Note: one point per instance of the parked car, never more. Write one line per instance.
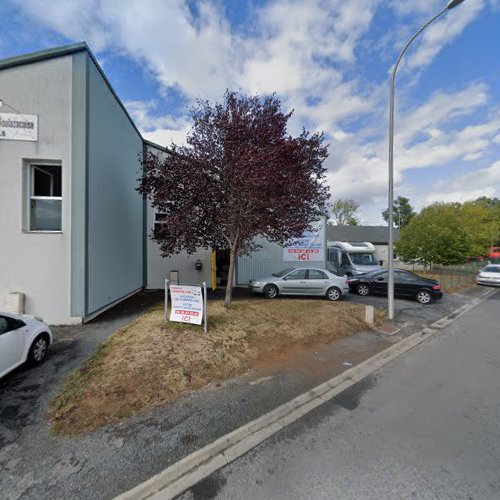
(406, 284)
(22, 338)
(489, 275)
(301, 281)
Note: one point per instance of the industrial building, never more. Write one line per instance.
(75, 231)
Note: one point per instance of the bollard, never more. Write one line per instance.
(369, 314)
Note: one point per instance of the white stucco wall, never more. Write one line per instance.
(36, 264)
(158, 267)
(381, 253)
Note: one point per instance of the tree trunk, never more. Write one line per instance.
(230, 277)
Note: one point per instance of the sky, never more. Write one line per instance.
(328, 60)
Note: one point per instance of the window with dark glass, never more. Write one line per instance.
(316, 274)
(45, 204)
(298, 274)
(159, 226)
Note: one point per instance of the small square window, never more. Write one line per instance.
(45, 198)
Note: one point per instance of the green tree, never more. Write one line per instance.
(403, 212)
(481, 221)
(436, 235)
(344, 212)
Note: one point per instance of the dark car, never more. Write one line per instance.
(406, 284)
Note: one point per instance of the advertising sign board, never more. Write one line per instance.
(187, 304)
(17, 127)
(309, 248)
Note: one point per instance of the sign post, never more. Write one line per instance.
(205, 308)
(166, 300)
(189, 304)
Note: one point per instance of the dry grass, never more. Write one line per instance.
(151, 362)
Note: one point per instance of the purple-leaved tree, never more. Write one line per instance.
(240, 176)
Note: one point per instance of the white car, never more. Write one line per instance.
(22, 338)
(489, 275)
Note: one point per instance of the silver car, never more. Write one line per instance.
(489, 275)
(301, 281)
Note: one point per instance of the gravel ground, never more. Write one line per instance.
(36, 464)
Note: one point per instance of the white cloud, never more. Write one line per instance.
(470, 186)
(451, 25)
(307, 52)
(431, 135)
(165, 137)
(181, 51)
(143, 114)
(162, 129)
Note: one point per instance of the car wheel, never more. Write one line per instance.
(424, 297)
(38, 349)
(333, 293)
(270, 291)
(363, 289)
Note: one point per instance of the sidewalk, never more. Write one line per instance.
(120, 456)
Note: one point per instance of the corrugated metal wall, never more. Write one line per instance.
(264, 262)
(114, 208)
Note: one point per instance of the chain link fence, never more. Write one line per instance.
(453, 278)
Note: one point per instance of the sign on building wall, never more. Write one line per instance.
(187, 304)
(311, 247)
(16, 127)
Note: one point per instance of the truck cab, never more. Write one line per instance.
(352, 258)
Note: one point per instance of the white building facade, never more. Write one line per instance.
(74, 230)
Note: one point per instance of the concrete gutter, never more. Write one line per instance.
(190, 470)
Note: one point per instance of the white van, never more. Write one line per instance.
(352, 258)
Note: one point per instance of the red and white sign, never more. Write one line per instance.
(309, 248)
(187, 304)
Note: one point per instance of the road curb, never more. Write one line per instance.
(190, 470)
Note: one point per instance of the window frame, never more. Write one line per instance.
(30, 188)
(156, 222)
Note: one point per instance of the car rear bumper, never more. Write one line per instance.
(437, 295)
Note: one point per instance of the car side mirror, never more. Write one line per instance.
(380, 278)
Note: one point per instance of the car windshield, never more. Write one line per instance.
(491, 269)
(283, 272)
(363, 259)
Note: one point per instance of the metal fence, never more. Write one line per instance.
(455, 277)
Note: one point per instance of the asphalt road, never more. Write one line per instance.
(425, 426)
(36, 464)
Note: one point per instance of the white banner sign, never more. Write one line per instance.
(187, 304)
(311, 247)
(17, 127)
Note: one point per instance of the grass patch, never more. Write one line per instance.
(150, 362)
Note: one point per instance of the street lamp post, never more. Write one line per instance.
(390, 284)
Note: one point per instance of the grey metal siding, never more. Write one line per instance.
(115, 209)
(264, 262)
(78, 183)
